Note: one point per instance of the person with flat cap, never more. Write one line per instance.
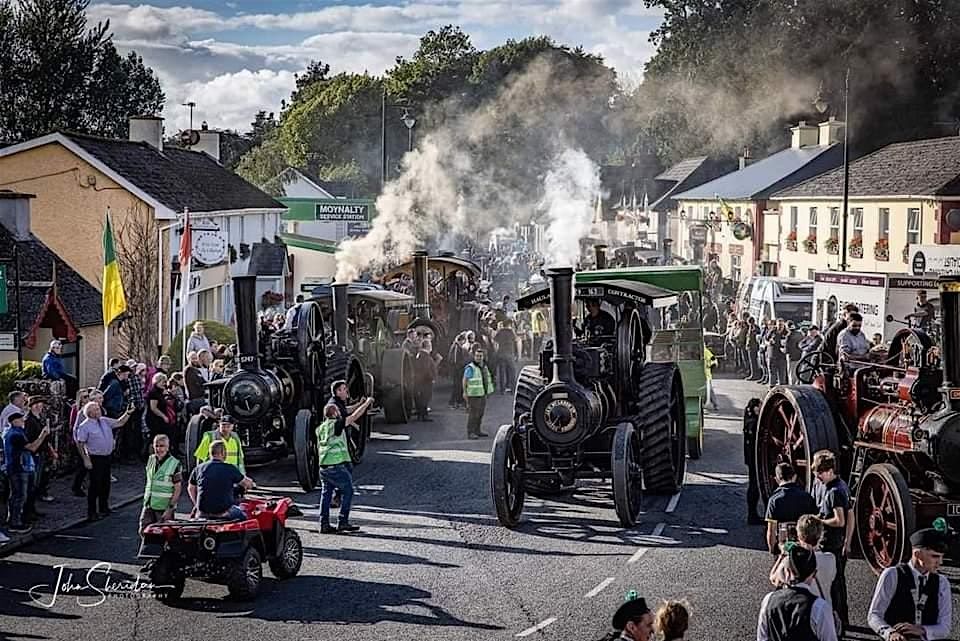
(912, 601)
(632, 621)
(796, 613)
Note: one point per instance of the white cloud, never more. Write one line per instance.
(228, 101)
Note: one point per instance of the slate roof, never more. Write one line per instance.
(917, 168)
(684, 176)
(267, 259)
(680, 171)
(79, 297)
(762, 178)
(178, 178)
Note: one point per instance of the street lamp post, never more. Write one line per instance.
(821, 105)
(407, 120)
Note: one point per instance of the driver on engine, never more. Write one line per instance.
(212, 487)
(598, 322)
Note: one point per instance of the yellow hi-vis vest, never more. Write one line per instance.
(709, 361)
(333, 449)
(159, 489)
(234, 449)
(479, 381)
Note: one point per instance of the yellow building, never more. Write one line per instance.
(899, 195)
(738, 233)
(146, 187)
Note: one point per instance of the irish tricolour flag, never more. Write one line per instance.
(114, 300)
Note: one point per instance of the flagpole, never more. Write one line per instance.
(186, 242)
(106, 324)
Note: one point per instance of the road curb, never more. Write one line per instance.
(8, 548)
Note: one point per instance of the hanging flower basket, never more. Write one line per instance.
(792, 241)
(810, 244)
(856, 248)
(906, 253)
(881, 251)
(832, 245)
(271, 299)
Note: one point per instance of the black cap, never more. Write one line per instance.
(124, 368)
(929, 539)
(632, 609)
(804, 561)
(226, 418)
(14, 416)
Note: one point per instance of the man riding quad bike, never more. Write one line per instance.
(227, 542)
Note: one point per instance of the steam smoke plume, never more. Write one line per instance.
(569, 189)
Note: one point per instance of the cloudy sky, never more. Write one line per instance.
(236, 57)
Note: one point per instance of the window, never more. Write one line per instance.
(811, 273)
(794, 215)
(884, 223)
(835, 223)
(792, 271)
(858, 223)
(913, 226)
(813, 221)
(736, 262)
(206, 304)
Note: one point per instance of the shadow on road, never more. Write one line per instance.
(373, 556)
(337, 600)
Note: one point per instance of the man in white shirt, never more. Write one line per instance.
(912, 601)
(796, 612)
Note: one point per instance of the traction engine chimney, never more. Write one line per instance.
(340, 303)
(421, 300)
(561, 297)
(245, 307)
(950, 310)
(601, 252)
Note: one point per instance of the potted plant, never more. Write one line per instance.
(856, 247)
(792, 241)
(832, 245)
(881, 251)
(810, 244)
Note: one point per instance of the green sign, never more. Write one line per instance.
(3, 289)
(329, 210)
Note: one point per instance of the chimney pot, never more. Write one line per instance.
(831, 131)
(209, 142)
(803, 135)
(148, 129)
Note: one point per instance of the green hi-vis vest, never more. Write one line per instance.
(480, 383)
(333, 449)
(159, 490)
(234, 449)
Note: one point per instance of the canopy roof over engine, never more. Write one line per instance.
(444, 263)
(362, 291)
(614, 290)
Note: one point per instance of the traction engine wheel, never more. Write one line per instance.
(311, 356)
(663, 420)
(506, 475)
(529, 384)
(695, 443)
(627, 474)
(884, 516)
(397, 386)
(794, 423)
(345, 367)
(306, 450)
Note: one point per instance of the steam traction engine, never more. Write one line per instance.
(895, 425)
(282, 382)
(593, 408)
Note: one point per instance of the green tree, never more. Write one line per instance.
(56, 73)
(439, 69)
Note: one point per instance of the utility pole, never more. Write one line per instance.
(383, 139)
(191, 105)
(846, 169)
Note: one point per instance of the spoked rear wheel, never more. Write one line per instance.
(506, 475)
(884, 516)
(306, 451)
(627, 474)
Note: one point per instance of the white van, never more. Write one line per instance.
(773, 297)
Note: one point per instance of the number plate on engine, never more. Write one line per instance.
(591, 292)
(953, 509)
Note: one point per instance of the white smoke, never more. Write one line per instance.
(569, 188)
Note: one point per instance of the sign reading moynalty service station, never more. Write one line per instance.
(338, 211)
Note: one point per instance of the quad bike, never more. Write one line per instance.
(228, 552)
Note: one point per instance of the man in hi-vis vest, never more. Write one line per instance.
(164, 483)
(225, 433)
(477, 386)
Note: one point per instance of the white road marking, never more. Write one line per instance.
(382, 436)
(600, 588)
(537, 628)
(657, 531)
(672, 505)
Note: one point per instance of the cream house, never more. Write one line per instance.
(738, 234)
(898, 196)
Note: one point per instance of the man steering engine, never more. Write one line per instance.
(212, 486)
(598, 321)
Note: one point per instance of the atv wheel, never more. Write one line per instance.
(168, 579)
(627, 475)
(243, 576)
(506, 476)
(287, 563)
(663, 420)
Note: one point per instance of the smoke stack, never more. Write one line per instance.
(831, 131)
(803, 135)
(601, 251)
(561, 300)
(745, 158)
(340, 306)
(668, 251)
(148, 129)
(421, 301)
(245, 306)
(950, 310)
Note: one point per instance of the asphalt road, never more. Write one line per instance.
(432, 562)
